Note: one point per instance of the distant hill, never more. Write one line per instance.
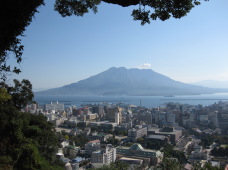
(122, 81)
(212, 84)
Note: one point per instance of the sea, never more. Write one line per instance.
(147, 101)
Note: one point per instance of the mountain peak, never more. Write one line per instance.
(117, 68)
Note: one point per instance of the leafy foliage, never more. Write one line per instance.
(169, 164)
(206, 141)
(221, 139)
(120, 132)
(112, 141)
(20, 94)
(169, 152)
(27, 141)
(74, 7)
(156, 9)
(80, 140)
(220, 151)
(128, 144)
(81, 125)
(4, 97)
(142, 141)
(15, 17)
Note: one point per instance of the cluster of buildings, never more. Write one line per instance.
(163, 125)
(104, 154)
(172, 114)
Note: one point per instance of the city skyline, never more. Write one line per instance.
(60, 51)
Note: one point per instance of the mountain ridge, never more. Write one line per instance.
(132, 82)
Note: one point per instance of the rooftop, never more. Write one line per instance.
(126, 158)
(94, 141)
(157, 130)
(161, 137)
(137, 147)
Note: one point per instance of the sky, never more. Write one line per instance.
(59, 51)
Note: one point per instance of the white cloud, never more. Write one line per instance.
(145, 66)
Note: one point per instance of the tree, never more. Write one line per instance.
(4, 96)
(169, 164)
(17, 15)
(80, 140)
(27, 141)
(112, 141)
(220, 151)
(20, 94)
(207, 140)
(161, 9)
(169, 152)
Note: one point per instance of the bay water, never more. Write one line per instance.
(147, 101)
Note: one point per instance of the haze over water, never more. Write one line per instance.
(147, 101)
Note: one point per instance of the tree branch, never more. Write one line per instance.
(123, 3)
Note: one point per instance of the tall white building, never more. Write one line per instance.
(105, 155)
(215, 119)
(117, 118)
